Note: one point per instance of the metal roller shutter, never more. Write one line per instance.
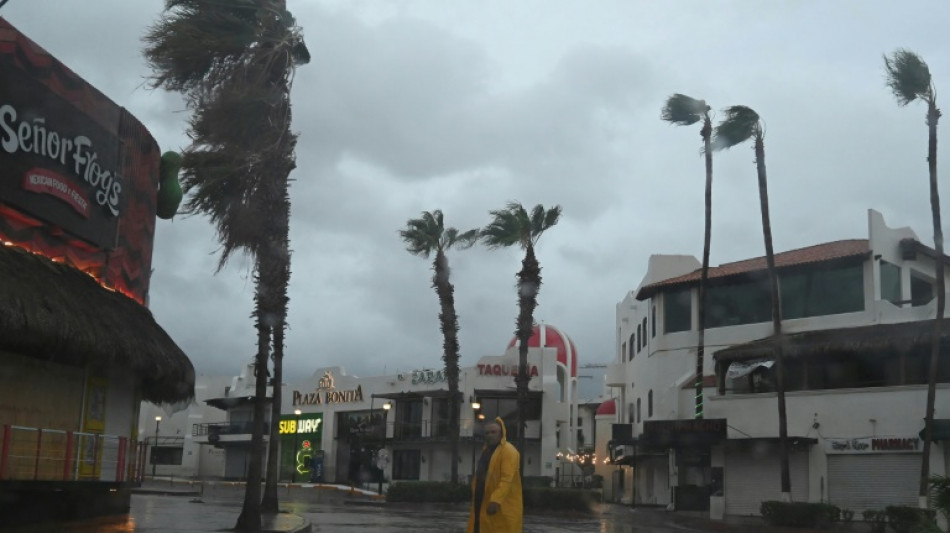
(873, 481)
(752, 478)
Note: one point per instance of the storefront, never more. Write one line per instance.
(397, 427)
(873, 472)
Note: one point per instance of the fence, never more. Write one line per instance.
(38, 454)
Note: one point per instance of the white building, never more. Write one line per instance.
(857, 320)
(334, 427)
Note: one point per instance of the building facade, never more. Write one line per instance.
(857, 323)
(79, 350)
(339, 428)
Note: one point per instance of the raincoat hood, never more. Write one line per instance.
(504, 430)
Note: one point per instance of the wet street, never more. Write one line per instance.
(152, 513)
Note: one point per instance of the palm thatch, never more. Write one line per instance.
(904, 336)
(57, 313)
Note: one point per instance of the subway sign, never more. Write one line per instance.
(310, 425)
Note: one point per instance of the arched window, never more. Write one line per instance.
(644, 332)
(633, 338)
(638, 410)
(650, 404)
(639, 337)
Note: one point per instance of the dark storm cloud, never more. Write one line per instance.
(415, 106)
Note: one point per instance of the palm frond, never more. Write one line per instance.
(908, 76)
(683, 110)
(740, 124)
(423, 235)
(503, 230)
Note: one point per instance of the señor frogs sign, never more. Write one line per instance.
(57, 162)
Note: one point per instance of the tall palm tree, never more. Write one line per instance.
(685, 111)
(233, 62)
(739, 125)
(909, 78)
(514, 226)
(424, 236)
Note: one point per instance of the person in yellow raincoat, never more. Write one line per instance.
(496, 488)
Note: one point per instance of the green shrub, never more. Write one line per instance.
(575, 500)
(906, 519)
(940, 494)
(428, 491)
(799, 514)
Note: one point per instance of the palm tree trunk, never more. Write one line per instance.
(776, 320)
(704, 276)
(249, 521)
(529, 284)
(450, 352)
(270, 503)
(933, 116)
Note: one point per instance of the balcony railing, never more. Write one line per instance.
(28, 453)
(224, 428)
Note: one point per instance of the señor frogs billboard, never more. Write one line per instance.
(78, 173)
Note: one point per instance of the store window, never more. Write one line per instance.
(406, 464)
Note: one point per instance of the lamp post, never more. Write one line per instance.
(158, 422)
(379, 463)
(293, 475)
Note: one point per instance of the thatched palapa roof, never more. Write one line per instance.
(54, 312)
(904, 336)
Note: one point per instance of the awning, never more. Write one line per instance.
(738, 369)
(52, 311)
(941, 430)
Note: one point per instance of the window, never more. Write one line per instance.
(630, 355)
(653, 322)
(638, 410)
(890, 282)
(166, 455)
(639, 335)
(644, 332)
(408, 419)
(820, 292)
(650, 404)
(406, 464)
(921, 289)
(439, 425)
(746, 302)
(623, 351)
(507, 409)
(677, 311)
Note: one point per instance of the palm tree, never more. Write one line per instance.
(514, 226)
(423, 236)
(233, 62)
(685, 111)
(740, 124)
(909, 78)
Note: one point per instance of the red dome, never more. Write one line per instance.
(553, 338)
(607, 408)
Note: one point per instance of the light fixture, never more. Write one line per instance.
(158, 418)
(298, 412)
(481, 416)
(475, 403)
(387, 406)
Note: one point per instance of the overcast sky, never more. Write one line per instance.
(462, 106)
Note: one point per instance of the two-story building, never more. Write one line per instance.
(857, 318)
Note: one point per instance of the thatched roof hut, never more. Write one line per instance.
(54, 312)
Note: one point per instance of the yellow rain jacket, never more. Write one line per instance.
(503, 486)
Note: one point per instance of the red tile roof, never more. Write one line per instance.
(813, 254)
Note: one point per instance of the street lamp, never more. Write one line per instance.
(380, 464)
(158, 422)
(293, 475)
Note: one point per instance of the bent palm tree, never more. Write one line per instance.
(909, 78)
(685, 111)
(741, 124)
(423, 236)
(233, 62)
(513, 226)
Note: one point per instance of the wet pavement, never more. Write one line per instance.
(208, 507)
